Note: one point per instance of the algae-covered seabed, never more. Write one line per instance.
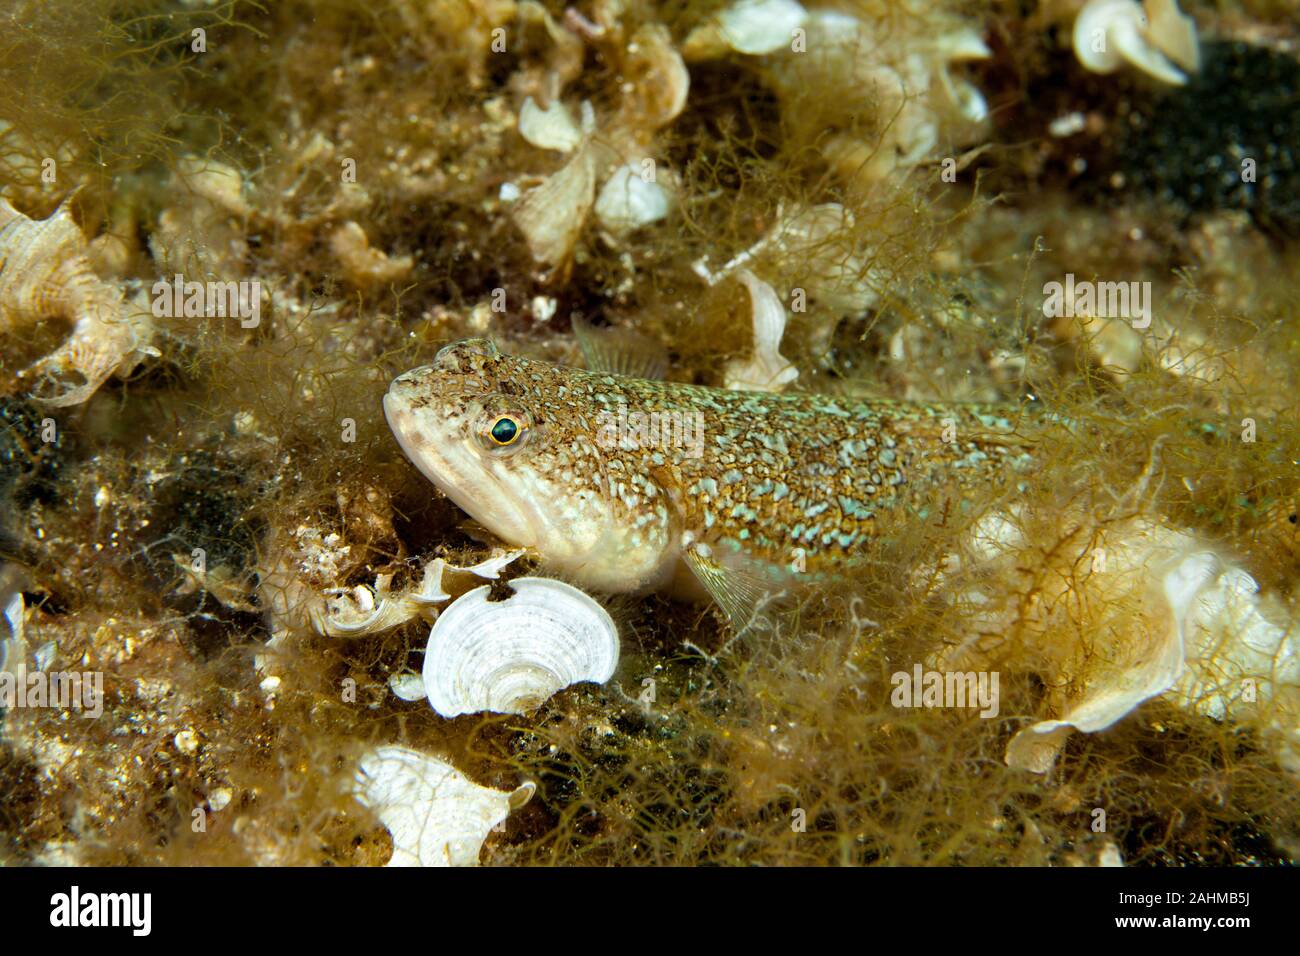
(365, 165)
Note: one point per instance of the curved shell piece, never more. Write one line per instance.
(760, 26)
(1108, 33)
(1139, 610)
(407, 686)
(767, 370)
(44, 274)
(11, 633)
(436, 815)
(627, 201)
(363, 265)
(361, 610)
(657, 81)
(551, 216)
(550, 127)
(509, 656)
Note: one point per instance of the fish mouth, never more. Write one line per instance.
(445, 457)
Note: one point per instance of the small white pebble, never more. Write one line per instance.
(544, 307)
(1067, 125)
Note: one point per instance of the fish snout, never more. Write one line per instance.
(410, 391)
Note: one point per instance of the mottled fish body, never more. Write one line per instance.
(619, 483)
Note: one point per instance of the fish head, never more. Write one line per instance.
(512, 442)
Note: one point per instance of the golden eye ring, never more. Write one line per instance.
(505, 430)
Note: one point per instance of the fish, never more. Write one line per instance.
(631, 485)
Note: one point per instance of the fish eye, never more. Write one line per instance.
(502, 427)
(505, 430)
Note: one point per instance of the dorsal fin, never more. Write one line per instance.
(618, 351)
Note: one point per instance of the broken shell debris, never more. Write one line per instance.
(754, 27)
(511, 656)
(900, 75)
(436, 815)
(629, 200)
(766, 370)
(553, 126)
(1152, 37)
(615, 153)
(353, 612)
(12, 611)
(45, 274)
(505, 656)
(1154, 612)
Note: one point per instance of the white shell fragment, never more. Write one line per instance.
(1218, 642)
(510, 656)
(899, 71)
(11, 635)
(1232, 638)
(407, 686)
(820, 239)
(12, 612)
(659, 81)
(551, 215)
(45, 274)
(754, 27)
(627, 201)
(1109, 33)
(1035, 747)
(353, 612)
(1143, 610)
(435, 814)
(1174, 33)
(552, 127)
(961, 46)
(767, 370)
(760, 26)
(964, 44)
(363, 265)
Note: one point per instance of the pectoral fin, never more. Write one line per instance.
(749, 597)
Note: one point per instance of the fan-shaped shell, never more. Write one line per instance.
(509, 656)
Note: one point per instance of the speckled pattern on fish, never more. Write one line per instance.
(773, 480)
